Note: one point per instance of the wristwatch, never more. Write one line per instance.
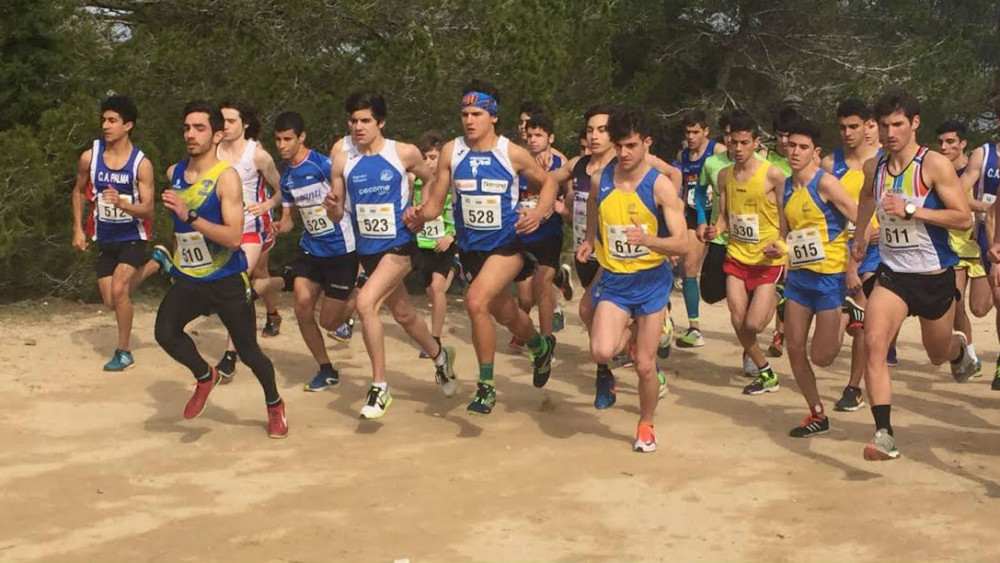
(192, 215)
(909, 210)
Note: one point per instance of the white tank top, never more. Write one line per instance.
(253, 187)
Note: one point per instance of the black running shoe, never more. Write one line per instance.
(810, 426)
(227, 367)
(543, 362)
(851, 400)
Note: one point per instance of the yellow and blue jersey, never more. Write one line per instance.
(817, 238)
(616, 211)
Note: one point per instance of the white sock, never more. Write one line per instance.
(442, 357)
(383, 385)
(971, 349)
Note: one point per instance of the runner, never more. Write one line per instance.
(239, 147)
(209, 267)
(639, 220)
(699, 147)
(326, 264)
(483, 169)
(815, 212)
(748, 211)
(918, 197)
(371, 179)
(118, 178)
(970, 276)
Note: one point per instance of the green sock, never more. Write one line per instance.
(486, 373)
(537, 343)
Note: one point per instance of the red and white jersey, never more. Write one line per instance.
(253, 189)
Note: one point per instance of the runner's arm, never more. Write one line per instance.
(144, 182)
(433, 194)
(722, 221)
(833, 191)
(79, 198)
(946, 185)
(413, 160)
(230, 192)
(538, 180)
(866, 206)
(265, 165)
(970, 180)
(675, 244)
(336, 199)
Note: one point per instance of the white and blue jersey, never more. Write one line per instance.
(550, 227)
(112, 224)
(486, 195)
(305, 185)
(378, 193)
(690, 174)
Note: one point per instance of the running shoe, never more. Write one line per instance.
(565, 282)
(227, 366)
(162, 257)
(542, 363)
(645, 440)
(780, 309)
(749, 368)
(558, 320)
(196, 404)
(344, 332)
(322, 380)
(810, 426)
(423, 355)
(662, 376)
(622, 359)
(765, 382)
(882, 447)
(605, 396)
(851, 400)
(516, 344)
(691, 339)
(289, 278)
(121, 361)
(272, 326)
(376, 403)
(855, 315)
(444, 375)
(666, 340)
(362, 280)
(995, 386)
(979, 369)
(890, 358)
(277, 424)
(485, 399)
(775, 349)
(963, 369)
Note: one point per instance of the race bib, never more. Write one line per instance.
(579, 221)
(315, 220)
(433, 229)
(899, 234)
(110, 214)
(745, 228)
(805, 247)
(192, 251)
(481, 212)
(618, 244)
(988, 199)
(376, 220)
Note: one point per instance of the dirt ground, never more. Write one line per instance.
(102, 467)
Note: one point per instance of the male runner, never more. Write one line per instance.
(918, 197)
(639, 220)
(371, 178)
(209, 267)
(483, 170)
(118, 178)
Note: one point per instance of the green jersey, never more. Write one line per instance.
(439, 228)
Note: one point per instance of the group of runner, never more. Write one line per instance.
(853, 242)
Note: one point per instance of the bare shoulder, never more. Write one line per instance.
(775, 175)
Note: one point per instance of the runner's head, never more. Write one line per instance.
(951, 139)
(630, 132)
(803, 144)
(743, 134)
(430, 144)
(854, 119)
(203, 127)
(289, 134)
(528, 110)
(696, 133)
(366, 113)
(480, 108)
(724, 119)
(240, 120)
(582, 139)
(898, 115)
(118, 115)
(598, 139)
(540, 132)
(786, 115)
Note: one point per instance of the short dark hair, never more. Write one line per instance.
(248, 115)
(599, 109)
(626, 120)
(724, 119)
(740, 120)
(583, 133)
(855, 107)
(367, 99)
(785, 116)
(807, 128)
(952, 126)
(694, 117)
(290, 120)
(431, 140)
(531, 108)
(484, 86)
(543, 122)
(211, 108)
(121, 105)
(895, 100)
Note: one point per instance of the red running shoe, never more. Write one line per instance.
(277, 424)
(196, 404)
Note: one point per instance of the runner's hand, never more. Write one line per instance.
(173, 202)
(444, 243)
(707, 232)
(79, 239)
(257, 209)
(635, 235)
(528, 222)
(893, 204)
(859, 249)
(330, 201)
(773, 250)
(110, 197)
(413, 219)
(853, 280)
(585, 249)
(544, 159)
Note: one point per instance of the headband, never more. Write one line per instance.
(480, 100)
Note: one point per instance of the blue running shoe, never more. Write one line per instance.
(162, 257)
(605, 396)
(558, 320)
(344, 332)
(891, 358)
(121, 361)
(323, 380)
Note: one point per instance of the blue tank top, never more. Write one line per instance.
(378, 192)
(113, 224)
(196, 257)
(550, 227)
(486, 195)
(305, 185)
(989, 177)
(839, 167)
(691, 172)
